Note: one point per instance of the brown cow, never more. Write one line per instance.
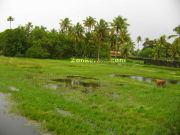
(160, 82)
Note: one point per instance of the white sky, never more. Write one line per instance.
(148, 18)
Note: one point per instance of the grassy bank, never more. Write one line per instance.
(118, 106)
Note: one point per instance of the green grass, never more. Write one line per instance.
(120, 106)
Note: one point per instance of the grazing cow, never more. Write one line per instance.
(160, 82)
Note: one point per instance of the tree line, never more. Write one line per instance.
(91, 39)
(161, 48)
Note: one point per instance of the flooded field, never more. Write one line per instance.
(88, 99)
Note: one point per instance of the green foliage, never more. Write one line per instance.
(119, 36)
(65, 24)
(175, 49)
(90, 40)
(37, 51)
(127, 49)
(2, 35)
(120, 24)
(90, 22)
(100, 34)
(146, 53)
(162, 49)
(177, 30)
(14, 42)
(93, 40)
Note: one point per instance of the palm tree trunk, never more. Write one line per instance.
(158, 54)
(116, 51)
(75, 47)
(84, 50)
(98, 51)
(166, 54)
(10, 24)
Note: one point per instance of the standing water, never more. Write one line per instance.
(145, 79)
(13, 125)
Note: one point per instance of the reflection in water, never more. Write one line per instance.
(77, 81)
(81, 77)
(146, 79)
(13, 125)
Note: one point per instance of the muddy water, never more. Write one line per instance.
(81, 77)
(78, 80)
(145, 79)
(14, 125)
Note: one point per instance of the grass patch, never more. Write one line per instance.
(118, 106)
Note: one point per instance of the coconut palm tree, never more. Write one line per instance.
(125, 45)
(113, 38)
(120, 25)
(177, 31)
(124, 37)
(65, 25)
(176, 43)
(160, 46)
(175, 49)
(90, 23)
(77, 33)
(10, 19)
(138, 40)
(127, 49)
(148, 43)
(164, 45)
(146, 39)
(101, 33)
(28, 27)
(167, 46)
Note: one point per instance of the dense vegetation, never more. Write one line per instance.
(160, 48)
(92, 39)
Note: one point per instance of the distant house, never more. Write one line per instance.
(115, 53)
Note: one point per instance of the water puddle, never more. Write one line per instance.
(13, 88)
(14, 125)
(53, 86)
(116, 96)
(145, 79)
(81, 77)
(73, 81)
(64, 113)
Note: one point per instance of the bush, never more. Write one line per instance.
(170, 63)
(146, 53)
(37, 51)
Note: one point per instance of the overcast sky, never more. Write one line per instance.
(148, 18)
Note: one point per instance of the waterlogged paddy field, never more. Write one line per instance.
(95, 99)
